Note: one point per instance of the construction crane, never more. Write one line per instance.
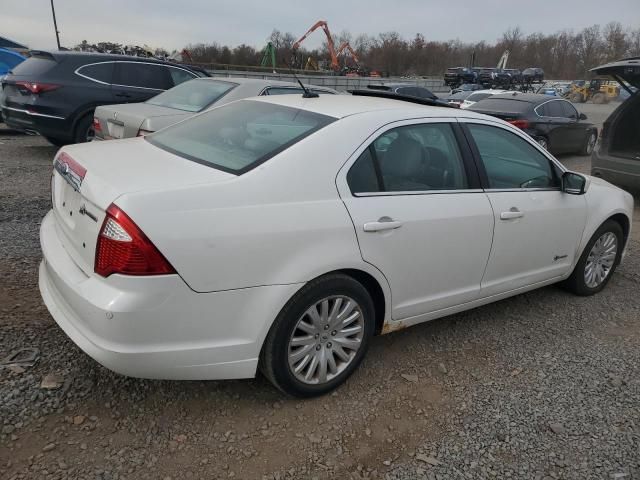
(269, 53)
(502, 63)
(347, 46)
(332, 49)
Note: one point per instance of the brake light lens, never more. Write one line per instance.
(522, 124)
(142, 133)
(37, 87)
(96, 125)
(123, 248)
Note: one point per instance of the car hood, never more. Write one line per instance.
(627, 70)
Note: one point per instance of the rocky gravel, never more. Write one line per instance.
(544, 386)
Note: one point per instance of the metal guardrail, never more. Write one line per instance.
(336, 82)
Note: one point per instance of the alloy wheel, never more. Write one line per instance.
(326, 339)
(600, 260)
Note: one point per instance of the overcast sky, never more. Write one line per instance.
(175, 23)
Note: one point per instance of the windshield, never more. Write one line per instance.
(239, 136)
(193, 95)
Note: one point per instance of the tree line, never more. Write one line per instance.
(563, 55)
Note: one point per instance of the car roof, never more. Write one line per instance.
(340, 106)
(61, 54)
(263, 82)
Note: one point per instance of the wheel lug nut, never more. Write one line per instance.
(326, 327)
(317, 335)
(334, 333)
(329, 345)
(318, 347)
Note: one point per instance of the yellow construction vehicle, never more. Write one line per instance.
(597, 90)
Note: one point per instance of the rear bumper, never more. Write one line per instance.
(156, 327)
(47, 125)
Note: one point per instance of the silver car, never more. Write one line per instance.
(183, 101)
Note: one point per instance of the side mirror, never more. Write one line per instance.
(582, 116)
(574, 183)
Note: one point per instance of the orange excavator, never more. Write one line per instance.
(332, 48)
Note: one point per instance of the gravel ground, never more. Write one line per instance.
(544, 385)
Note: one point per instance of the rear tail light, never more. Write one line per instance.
(520, 123)
(142, 133)
(123, 248)
(96, 125)
(37, 87)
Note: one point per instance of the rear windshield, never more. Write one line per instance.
(237, 137)
(476, 97)
(35, 66)
(502, 105)
(193, 95)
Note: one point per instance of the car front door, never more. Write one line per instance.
(419, 215)
(139, 81)
(537, 226)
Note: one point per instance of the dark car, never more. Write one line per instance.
(617, 157)
(533, 75)
(404, 89)
(553, 122)
(55, 93)
(458, 75)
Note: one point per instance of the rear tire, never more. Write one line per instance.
(599, 98)
(84, 129)
(293, 345)
(589, 144)
(593, 260)
(56, 141)
(576, 98)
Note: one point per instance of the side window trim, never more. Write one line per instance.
(545, 103)
(484, 178)
(471, 171)
(77, 72)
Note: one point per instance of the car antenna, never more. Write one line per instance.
(307, 93)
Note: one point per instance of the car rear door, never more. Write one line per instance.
(419, 215)
(138, 81)
(537, 226)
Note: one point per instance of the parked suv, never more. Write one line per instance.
(617, 158)
(56, 93)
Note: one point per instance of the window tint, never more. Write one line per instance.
(192, 96)
(554, 109)
(568, 110)
(510, 161)
(238, 136)
(416, 92)
(362, 176)
(102, 72)
(412, 158)
(142, 75)
(178, 75)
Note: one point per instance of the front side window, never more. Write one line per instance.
(420, 157)
(510, 161)
(143, 75)
(239, 136)
(192, 96)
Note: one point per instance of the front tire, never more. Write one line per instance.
(598, 261)
(320, 336)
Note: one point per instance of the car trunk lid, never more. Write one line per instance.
(88, 178)
(627, 69)
(125, 120)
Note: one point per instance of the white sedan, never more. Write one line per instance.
(282, 233)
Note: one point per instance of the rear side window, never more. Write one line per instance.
(237, 137)
(510, 161)
(36, 65)
(554, 109)
(142, 75)
(179, 75)
(100, 72)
